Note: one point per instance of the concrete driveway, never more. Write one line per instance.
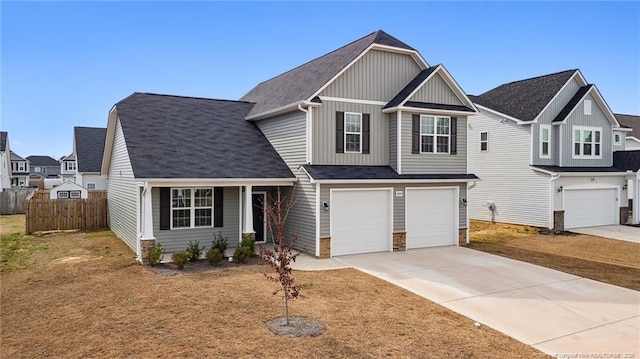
(625, 233)
(555, 312)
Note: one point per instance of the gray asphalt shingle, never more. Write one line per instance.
(185, 137)
(329, 172)
(630, 121)
(89, 147)
(45, 161)
(627, 160)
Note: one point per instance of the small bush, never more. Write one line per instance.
(180, 259)
(156, 254)
(194, 251)
(241, 254)
(249, 242)
(220, 243)
(213, 256)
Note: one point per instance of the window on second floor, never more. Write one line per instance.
(44, 169)
(70, 166)
(587, 142)
(91, 185)
(617, 139)
(22, 167)
(434, 134)
(352, 132)
(484, 141)
(545, 141)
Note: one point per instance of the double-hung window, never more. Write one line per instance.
(434, 134)
(484, 141)
(71, 166)
(352, 132)
(191, 207)
(545, 135)
(22, 167)
(91, 185)
(587, 142)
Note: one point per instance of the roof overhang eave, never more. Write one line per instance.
(220, 182)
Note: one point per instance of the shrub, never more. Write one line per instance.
(220, 243)
(180, 259)
(194, 251)
(241, 254)
(213, 256)
(156, 254)
(249, 242)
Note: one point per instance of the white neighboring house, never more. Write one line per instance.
(632, 138)
(630, 161)
(5, 161)
(68, 190)
(19, 171)
(83, 165)
(543, 149)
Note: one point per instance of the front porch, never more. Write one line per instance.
(174, 214)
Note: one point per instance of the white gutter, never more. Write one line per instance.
(551, 194)
(221, 182)
(391, 180)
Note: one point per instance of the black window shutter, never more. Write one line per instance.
(339, 132)
(217, 206)
(365, 133)
(165, 208)
(415, 133)
(454, 135)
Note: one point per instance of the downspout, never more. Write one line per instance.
(469, 188)
(307, 113)
(551, 194)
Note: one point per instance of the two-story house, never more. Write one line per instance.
(43, 167)
(543, 148)
(369, 140)
(19, 171)
(83, 165)
(5, 161)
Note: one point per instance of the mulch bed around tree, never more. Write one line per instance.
(298, 327)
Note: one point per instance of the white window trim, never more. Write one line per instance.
(485, 141)
(63, 195)
(587, 107)
(619, 141)
(71, 166)
(192, 208)
(436, 135)
(22, 167)
(75, 194)
(344, 124)
(542, 128)
(593, 148)
(89, 184)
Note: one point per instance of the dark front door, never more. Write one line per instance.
(258, 216)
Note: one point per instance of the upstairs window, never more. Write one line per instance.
(71, 166)
(587, 107)
(587, 142)
(191, 207)
(617, 139)
(484, 141)
(352, 132)
(434, 134)
(545, 135)
(36, 169)
(91, 185)
(22, 167)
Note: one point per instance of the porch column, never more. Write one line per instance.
(147, 215)
(248, 211)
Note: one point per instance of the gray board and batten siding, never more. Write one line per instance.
(398, 202)
(436, 90)
(377, 76)
(122, 192)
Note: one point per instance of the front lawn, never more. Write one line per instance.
(606, 260)
(83, 295)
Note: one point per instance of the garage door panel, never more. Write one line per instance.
(360, 221)
(590, 207)
(431, 217)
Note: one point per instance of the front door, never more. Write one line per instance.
(259, 222)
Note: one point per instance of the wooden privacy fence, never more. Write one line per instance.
(14, 200)
(60, 214)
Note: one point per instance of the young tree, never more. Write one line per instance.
(281, 257)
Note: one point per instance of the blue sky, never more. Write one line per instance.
(65, 64)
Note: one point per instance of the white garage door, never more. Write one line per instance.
(432, 217)
(590, 207)
(360, 221)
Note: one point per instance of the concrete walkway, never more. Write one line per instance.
(625, 233)
(552, 311)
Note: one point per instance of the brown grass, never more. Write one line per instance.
(607, 260)
(84, 296)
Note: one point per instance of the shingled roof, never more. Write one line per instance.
(338, 172)
(411, 86)
(3, 141)
(627, 160)
(45, 161)
(524, 99)
(566, 110)
(303, 81)
(186, 137)
(89, 147)
(630, 121)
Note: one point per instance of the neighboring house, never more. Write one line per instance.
(68, 190)
(43, 167)
(19, 171)
(630, 161)
(632, 139)
(543, 148)
(84, 163)
(369, 140)
(5, 161)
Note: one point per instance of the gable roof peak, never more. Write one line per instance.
(136, 94)
(559, 73)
